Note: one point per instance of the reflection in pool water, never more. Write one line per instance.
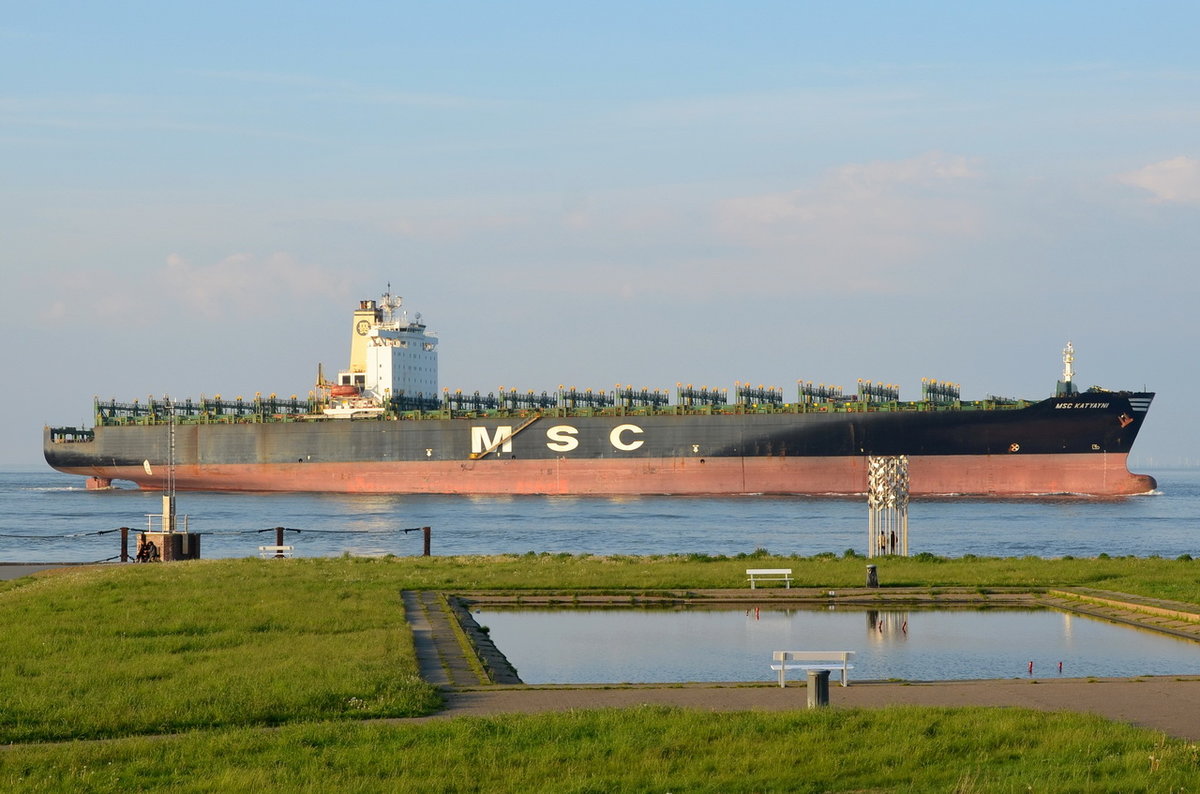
(647, 645)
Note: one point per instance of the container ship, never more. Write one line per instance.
(383, 426)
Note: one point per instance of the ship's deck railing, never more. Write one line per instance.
(513, 404)
(206, 409)
(763, 395)
(71, 434)
(840, 407)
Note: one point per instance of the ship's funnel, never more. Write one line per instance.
(366, 317)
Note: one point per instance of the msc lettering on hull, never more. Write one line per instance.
(481, 441)
(559, 438)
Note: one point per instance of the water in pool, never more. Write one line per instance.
(616, 645)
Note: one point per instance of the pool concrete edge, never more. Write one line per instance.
(1166, 617)
(1159, 615)
(1165, 703)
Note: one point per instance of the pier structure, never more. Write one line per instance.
(887, 500)
(168, 543)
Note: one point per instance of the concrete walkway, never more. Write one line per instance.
(1167, 704)
(15, 570)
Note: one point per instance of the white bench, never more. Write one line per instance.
(817, 660)
(275, 551)
(769, 575)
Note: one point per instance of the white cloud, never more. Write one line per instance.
(861, 221)
(88, 295)
(231, 287)
(874, 226)
(243, 282)
(1175, 180)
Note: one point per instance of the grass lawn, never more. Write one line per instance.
(160, 648)
(1150, 576)
(264, 674)
(640, 749)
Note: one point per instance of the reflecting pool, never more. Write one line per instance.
(626, 645)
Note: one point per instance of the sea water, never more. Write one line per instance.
(47, 516)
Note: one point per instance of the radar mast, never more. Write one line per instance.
(1066, 386)
(390, 304)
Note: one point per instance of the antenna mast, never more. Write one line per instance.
(390, 304)
(1066, 386)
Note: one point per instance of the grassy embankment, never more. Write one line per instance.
(211, 652)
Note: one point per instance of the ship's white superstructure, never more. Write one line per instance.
(391, 357)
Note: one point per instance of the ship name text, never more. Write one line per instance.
(559, 438)
(1082, 405)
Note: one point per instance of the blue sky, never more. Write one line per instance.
(193, 197)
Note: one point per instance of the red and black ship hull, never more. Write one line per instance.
(1076, 444)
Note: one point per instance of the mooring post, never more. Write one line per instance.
(818, 688)
(278, 541)
(425, 531)
(872, 576)
(124, 544)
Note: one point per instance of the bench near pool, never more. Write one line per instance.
(815, 660)
(769, 575)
